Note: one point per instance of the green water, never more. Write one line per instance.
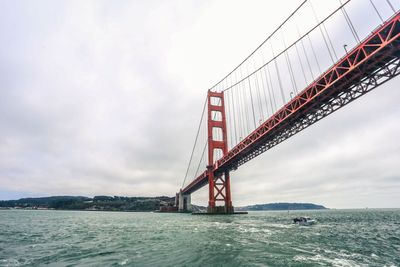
(68, 238)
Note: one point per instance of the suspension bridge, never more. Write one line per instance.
(304, 71)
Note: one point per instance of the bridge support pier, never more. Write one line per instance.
(184, 202)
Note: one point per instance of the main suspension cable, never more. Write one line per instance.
(269, 37)
(301, 38)
(195, 142)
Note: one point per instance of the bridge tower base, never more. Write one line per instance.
(219, 192)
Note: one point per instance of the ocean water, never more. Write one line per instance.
(79, 238)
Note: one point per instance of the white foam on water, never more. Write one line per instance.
(337, 262)
(344, 263)
(124, 262)
(11, 262)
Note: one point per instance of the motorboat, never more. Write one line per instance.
(304, 221)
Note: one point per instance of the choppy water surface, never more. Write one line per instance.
(67, 238)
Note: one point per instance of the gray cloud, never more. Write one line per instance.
(104, 98)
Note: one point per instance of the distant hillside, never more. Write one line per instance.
(117, 203)
(106, 203)
(282, 206)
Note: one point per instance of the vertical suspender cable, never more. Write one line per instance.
(266, 85)
(305, 53)
(301, 64)
(240, 119)
(279, 76)
(391, 6)
(289, 65)
(272, 89)
(315, 55)
(233, 113)
(349, 23)
(260, 107)
(376, 10)
(330, 41)
(245, 107)
(251, 101)
(266, 88)
(322, 33)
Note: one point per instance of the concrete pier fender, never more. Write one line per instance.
(184, 203)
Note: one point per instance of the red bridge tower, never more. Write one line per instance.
(218, 185)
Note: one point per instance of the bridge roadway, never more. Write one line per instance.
(372, 62)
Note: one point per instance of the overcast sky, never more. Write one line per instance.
(104, 97)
